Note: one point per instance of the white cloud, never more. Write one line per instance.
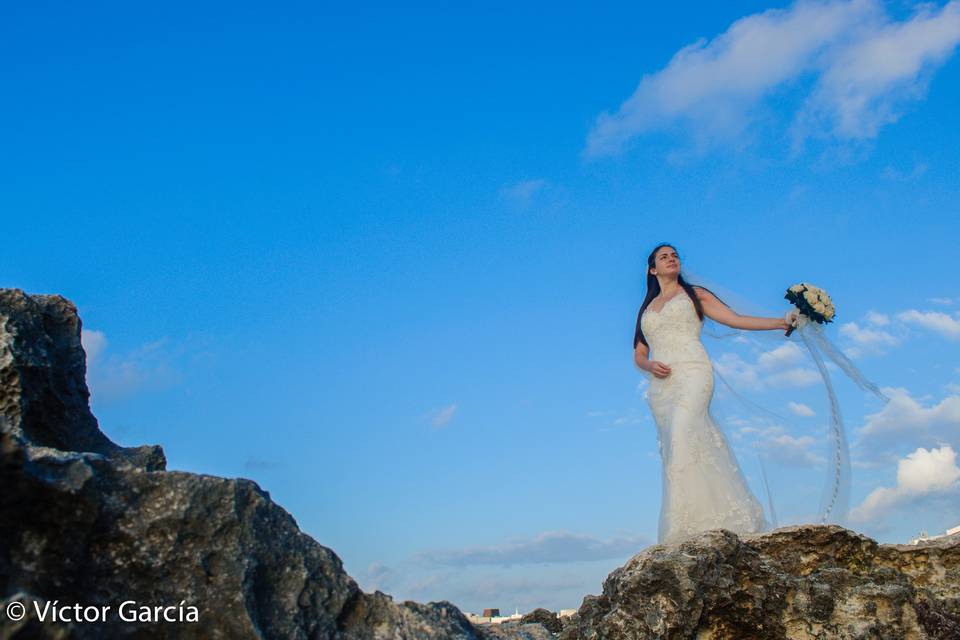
(613, 419)
(643, 386)
(548, 547)
(94, 343)
(600, 413)
(514, 589)
(522, 193)
(878, 319)
(787, 354)
(632, 418)
(890, 173)
(885, 65)
(111, 377)
(779, 446)
(793, 378)
(944, 301)
(378, 576)
(867, 340)
(473, 590)
(742, 373)
(864, 68)
(921, 474)
(792, 450)
(441, 417)
(905, 416)
(933, 320)
(800, 409)
(779, 367)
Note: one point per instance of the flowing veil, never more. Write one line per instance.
(812, 339)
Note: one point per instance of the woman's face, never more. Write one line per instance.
(666, 261)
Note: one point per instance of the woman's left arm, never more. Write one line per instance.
(716, 310)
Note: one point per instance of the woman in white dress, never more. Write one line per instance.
(703, 487)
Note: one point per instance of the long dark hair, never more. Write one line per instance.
(653, 290)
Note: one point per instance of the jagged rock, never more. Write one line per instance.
(545, 617)
(569, 621)
(43, 388)
(516, 631)
(375, 617)
(83, 520)
(811, 582)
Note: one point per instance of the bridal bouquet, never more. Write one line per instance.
(812, 302)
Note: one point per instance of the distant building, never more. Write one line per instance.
(923, 537)
(492, 616)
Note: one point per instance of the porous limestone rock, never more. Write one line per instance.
(800, 582)
(545, 617)
(517, 630)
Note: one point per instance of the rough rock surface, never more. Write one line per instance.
(83, 520)
(517, 631)
(43, 389)
(545, 617)
(796, 582)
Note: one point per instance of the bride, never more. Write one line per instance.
(703, 487)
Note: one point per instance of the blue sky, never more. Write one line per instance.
(386, 262)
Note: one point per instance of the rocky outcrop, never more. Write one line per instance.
(517, 630)
(810, 582)
(545, 617)
(43, 389)
(85, 521)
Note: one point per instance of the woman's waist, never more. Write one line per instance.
(678, 366)
(682, 352)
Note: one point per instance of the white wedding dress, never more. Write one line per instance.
(703, 487)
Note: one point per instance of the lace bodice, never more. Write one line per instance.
(673, 333)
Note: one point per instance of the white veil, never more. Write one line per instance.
(812, 338)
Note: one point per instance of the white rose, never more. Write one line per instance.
(820, 307)
(829, 313)
(797, 288)
(810, 296)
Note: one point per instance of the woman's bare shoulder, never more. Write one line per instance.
(703, 294)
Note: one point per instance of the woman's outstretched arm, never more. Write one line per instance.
(716, 310)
